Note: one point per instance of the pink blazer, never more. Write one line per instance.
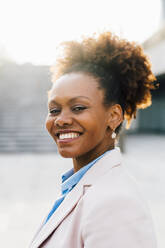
(104, 210)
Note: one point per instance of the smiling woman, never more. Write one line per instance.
(98, 83)
(78, 112)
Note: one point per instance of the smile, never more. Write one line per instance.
(64, 136)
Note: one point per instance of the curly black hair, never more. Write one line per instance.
(121, 67)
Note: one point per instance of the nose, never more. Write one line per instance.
(63, 119)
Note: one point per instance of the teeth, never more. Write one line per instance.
(68, 135)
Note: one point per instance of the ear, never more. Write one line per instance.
(115, 116)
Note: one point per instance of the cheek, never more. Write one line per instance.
(49, 124)
(95, 130)
(96, 124)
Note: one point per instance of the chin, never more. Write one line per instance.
(66, 153)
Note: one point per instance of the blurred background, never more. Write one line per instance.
(30, 167)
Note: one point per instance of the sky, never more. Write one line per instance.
(30, 30)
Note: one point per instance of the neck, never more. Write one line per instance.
(83, 160)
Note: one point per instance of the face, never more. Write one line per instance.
(77, 119)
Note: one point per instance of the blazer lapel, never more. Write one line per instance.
(110, 160)
(65, 208)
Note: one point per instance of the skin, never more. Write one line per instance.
(75, 103)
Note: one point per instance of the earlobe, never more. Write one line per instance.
(115, 116)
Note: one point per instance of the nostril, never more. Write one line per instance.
(61, 122)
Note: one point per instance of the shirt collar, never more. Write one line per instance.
(70, 179)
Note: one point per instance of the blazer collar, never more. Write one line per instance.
(103, 165)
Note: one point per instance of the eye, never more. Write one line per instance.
(54, 111)
(78, 108)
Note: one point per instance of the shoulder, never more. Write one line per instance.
(115, 192)
(115, 213)
(115, 182)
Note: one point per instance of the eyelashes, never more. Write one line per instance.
(75, 109)
(54, 111)
(78, 108)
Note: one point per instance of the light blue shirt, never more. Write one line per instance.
(69, 181)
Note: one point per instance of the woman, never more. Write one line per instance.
(98, 83)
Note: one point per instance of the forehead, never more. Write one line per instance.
(75, 84)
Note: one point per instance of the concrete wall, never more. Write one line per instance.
(23, 108)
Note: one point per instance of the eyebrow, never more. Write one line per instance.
(77, 97)
(71, 100)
